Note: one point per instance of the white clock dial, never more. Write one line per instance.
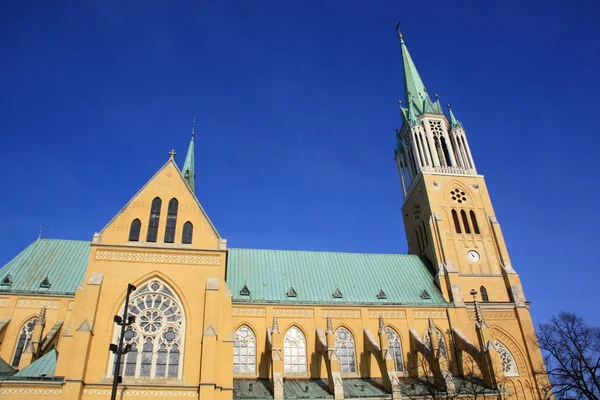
(473, 255)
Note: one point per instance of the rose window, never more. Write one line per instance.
(155, 338)
(458, 195)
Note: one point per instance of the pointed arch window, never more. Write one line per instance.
(154, 220)
(24, 339)
(441, 341)
(134, 230)
(440, 152)
(484, 294)
(171, 220)
(509, 366)
(186, 235)
(456, 222)
(445, 151)
(294, 351)
(395, 348)
(157, 335)
(344, 346)
(465, 221)
(244, 351)
(474, 222)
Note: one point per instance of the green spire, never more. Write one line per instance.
(189, 171)
(414, 89)
(453, 122)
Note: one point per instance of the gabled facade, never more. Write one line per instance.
(212, 322)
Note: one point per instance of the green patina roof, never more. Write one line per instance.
(269, 274)
(62, 261)
(40, 368)
(188, 170)
(414, 89)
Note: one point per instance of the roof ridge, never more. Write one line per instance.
(325, 252)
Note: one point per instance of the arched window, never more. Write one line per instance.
(134, 230)
(440, 152)
(474, 222)
(294, 351)
(344, 346)
(509, 366)
(171, 221)
(456, 223)
(244, 351)
(463, 214)
(441, 341)
(484, 294)
(445, 151)
(24, 340)
(157, 336)
(154, 219)
(186, 236)
(395, 348)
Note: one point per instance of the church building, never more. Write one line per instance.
(201, 320)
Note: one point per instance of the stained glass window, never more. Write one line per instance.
(344, 346)
(509, 366)
(134, 230)
(244, 351)
(157, 336)
(186, 236)
(294, 351)
(24, 340)
(171, 221)
(395, 348)
(154, 219)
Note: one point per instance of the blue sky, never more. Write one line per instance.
(297, 105)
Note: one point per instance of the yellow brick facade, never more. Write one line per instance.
(191, 279)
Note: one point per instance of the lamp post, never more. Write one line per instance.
(118, 349)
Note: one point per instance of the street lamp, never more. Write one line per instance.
(119, 349)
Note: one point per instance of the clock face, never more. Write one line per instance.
(473, 255)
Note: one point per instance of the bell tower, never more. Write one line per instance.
(447, 211)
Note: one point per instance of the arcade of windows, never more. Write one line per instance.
(152, 233)
(295, 361)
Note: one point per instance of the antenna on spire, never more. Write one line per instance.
(41, 231)
(194, 126)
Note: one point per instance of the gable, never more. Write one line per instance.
(166, 184)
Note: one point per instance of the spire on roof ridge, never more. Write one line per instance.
(454, 123)
(189, 170)
(412, 80)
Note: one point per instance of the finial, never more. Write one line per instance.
(398, 30)
(275, 327)
(448, 105)
(430, 324)
(381, 324)
(478, 313)
(193, 127)
(396, 130)
(43, 316)
(400, 102)
(172, 153)
(329, 325)
(41, 231)
(436, 96)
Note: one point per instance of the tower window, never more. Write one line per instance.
(154, 219)
(474, 222)
(134, 230)
(484, 294)
(186, 236)
(445, 151)
(458, 195)
(171, 221)
(463, 214)
(455, 220)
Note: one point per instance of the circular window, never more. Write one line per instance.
(151, 321)
(458, 195)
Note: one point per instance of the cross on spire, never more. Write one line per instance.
(172, 153)
(194, 126)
